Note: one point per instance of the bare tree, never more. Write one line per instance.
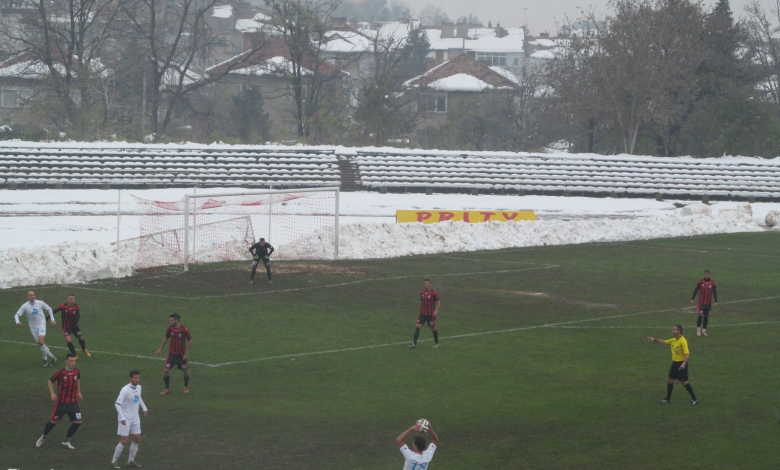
(432, 15)
(302, 24)
(762, 28)
(61, 41)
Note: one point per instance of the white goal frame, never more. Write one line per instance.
(188, 197)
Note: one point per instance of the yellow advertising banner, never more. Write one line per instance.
(433, 216)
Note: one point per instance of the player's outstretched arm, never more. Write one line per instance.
(401, 440)
(655, 340)
(434, 436)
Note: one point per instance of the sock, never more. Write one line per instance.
(83, 344)
(43, 351)
(133, 450)
(72, 348)
(118, 452)
(46, 352)
(669, 388)
(416, 334)
(698, 322)
(48, 428)
(167, 383)
(690, 390)
(72, 430)
(704, 323)
(186, 380)
(436, 336)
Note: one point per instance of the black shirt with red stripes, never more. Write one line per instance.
(70, 315)
(178, 335)
(707, 291)
(428, 299)
(68, 389)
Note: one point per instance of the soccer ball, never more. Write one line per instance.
(423, 425)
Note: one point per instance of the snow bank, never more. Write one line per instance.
(62, 264)
(772, 219)
(362, 240)
(82, 262)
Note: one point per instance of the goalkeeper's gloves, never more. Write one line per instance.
(266, 257)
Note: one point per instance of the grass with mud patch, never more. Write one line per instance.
(543, 362)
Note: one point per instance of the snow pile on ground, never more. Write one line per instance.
(772, 219)
(82, 262)
(62, 264)
(359, 241)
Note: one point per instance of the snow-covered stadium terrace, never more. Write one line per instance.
(122, 165)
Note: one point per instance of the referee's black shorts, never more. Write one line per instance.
(675, 373)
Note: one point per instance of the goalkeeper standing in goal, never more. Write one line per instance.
(261, 251)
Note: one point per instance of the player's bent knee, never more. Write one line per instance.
(136, 438)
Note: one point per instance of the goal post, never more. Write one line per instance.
(220, 226)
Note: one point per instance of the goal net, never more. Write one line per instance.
(207, 228)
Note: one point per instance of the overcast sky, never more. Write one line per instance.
(542, 15)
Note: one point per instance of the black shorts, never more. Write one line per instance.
(266, 262)
(427, 320)
(75, 331)
(73, 410)
(676, 374)
(704, 310)
(176, 361)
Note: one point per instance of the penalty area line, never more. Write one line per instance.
(155, 358)
(469, 335)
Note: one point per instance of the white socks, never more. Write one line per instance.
(118, 452)
(133, 450)
(46, 352)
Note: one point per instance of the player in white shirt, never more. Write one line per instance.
(34, 310)
(129, 422)
(417, 458)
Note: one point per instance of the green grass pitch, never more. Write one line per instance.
(543, 362)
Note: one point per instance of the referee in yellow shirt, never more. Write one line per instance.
(679, 369)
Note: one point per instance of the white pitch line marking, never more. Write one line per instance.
(101, 352)
(656, 326)
(374, 346)
(649, 247)
(482, 333)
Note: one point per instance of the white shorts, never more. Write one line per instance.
(38, 331)
(125, 430)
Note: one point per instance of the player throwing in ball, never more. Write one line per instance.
(679, 369)
(129, 421)
(34, 308)
(419, 456)
(66, 400)
(181, 343)
(429, 310)
(261, 251)
(71, 315)
(707, 291)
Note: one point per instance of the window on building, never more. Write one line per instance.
(492, 58)
(516, 62)
(440, 103)
(15, 97)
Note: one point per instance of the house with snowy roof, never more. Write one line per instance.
(25, 78)
(267, 70)
(455, 82)
(496, 47)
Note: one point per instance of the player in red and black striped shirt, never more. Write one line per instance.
(71, 315)
(181, 342)
(429, 309)
(708, 292)
(66, 400)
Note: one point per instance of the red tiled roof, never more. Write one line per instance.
(274, 47)
(464, 64)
